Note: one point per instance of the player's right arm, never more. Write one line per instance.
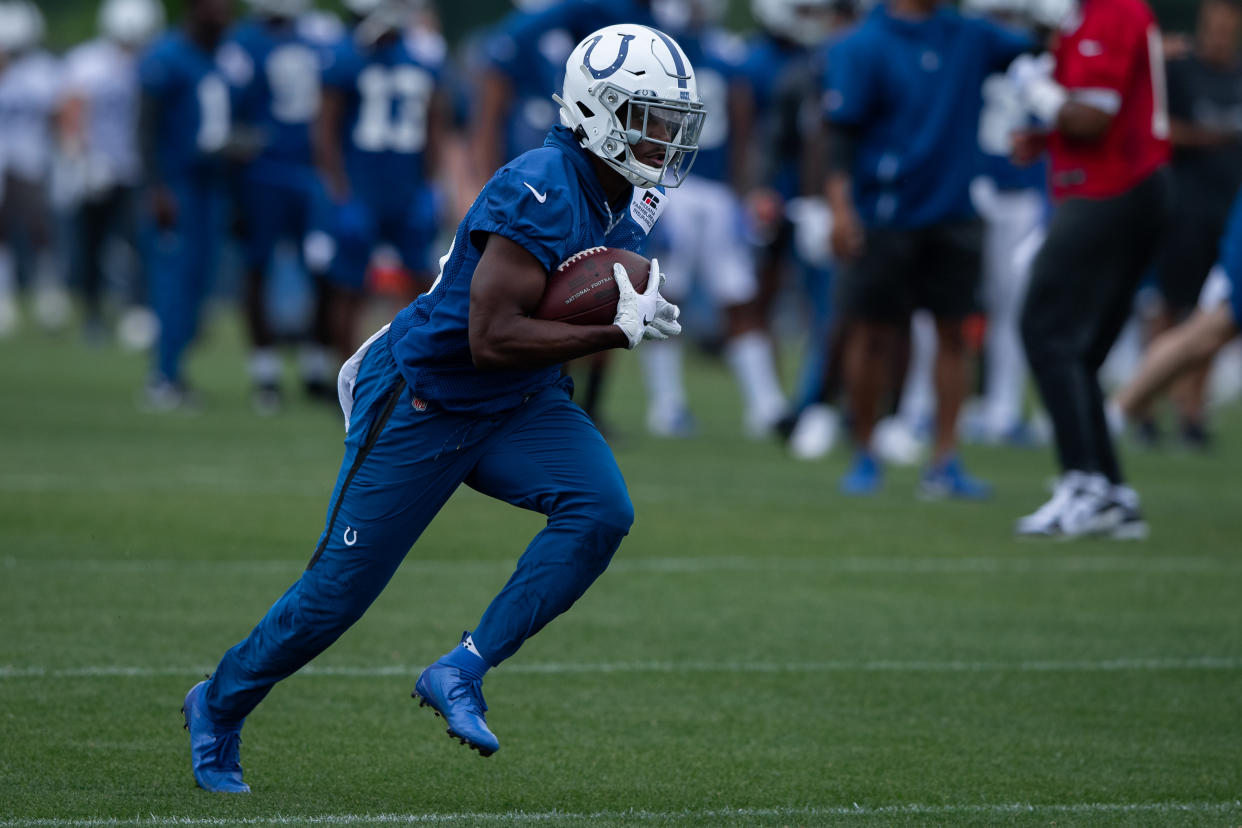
(506, 288)
(848, 100)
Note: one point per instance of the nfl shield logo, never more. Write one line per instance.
(419, 404)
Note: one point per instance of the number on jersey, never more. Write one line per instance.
(392, 114)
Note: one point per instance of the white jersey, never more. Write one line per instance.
(29, 91)
(104, 77)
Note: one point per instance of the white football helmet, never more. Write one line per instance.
(21, 26)
(130, 22)
(378, 17)
(806, 22)
(626, 85)
(285, 9)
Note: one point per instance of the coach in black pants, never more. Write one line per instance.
(1108, 146)
(1081, 292)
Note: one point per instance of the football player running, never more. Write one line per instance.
(464, 386)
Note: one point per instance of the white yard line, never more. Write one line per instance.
(659, 817)
(1114, 665)
(862, 564)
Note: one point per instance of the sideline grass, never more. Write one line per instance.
(872, 662)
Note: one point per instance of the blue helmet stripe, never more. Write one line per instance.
(678, 63)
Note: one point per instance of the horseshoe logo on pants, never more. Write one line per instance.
(350, 536)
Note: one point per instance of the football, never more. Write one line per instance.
(581, 290)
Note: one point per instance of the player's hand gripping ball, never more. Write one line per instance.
(582, 291)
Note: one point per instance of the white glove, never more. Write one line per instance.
(665, 323)
(1032, 79)
(635, 311)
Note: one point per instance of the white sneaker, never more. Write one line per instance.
(1093, 511)
(1045, 522)
(1133, 525)
(895, 443)
(815, 433)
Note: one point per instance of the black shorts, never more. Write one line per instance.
(1191, 248)
(934, 268)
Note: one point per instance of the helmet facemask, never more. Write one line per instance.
(651, 141)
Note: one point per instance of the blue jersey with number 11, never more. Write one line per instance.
(193, 104)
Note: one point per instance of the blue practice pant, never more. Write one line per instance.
(180, 262)
(400, 467)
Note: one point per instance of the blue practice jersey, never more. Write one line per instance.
(768, 61)
(388, 92)
(913, 89)
(530, 49)
(194, 117)
(275, 68)
(717, 58)
(570, 213)
(1231, 259)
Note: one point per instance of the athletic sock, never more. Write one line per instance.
(265, 366)
(750, 355)
(466, 658)
(666, 388)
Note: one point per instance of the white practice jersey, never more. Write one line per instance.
(105, 77)
(29, 92)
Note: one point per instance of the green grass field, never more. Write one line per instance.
(762, 652)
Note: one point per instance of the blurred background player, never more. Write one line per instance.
(1107, 139)
(1191, 345)
(274, 59)
(184, 131)
(98, 124)
(1012, 201)
(1205, 126)
(29, 91)
(788, 205)
(380, 125)
(704, 236)
(903, 103)
(780, 62)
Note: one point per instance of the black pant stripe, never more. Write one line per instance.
(373, 435)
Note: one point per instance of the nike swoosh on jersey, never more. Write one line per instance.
(540, 197)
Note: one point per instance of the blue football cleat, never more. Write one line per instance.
(215, 753)
(864, 477)
(949, 479)
(458, 698)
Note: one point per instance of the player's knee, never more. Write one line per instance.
(607, 508)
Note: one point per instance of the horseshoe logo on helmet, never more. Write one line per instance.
(616, 64)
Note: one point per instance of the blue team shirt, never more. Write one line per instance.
(912, 88)
(1231, 258)
(275, 71)
(717, 60)
(388, 91)
(768, 59)
(430, 338)
(530, 49)
(194, 106)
